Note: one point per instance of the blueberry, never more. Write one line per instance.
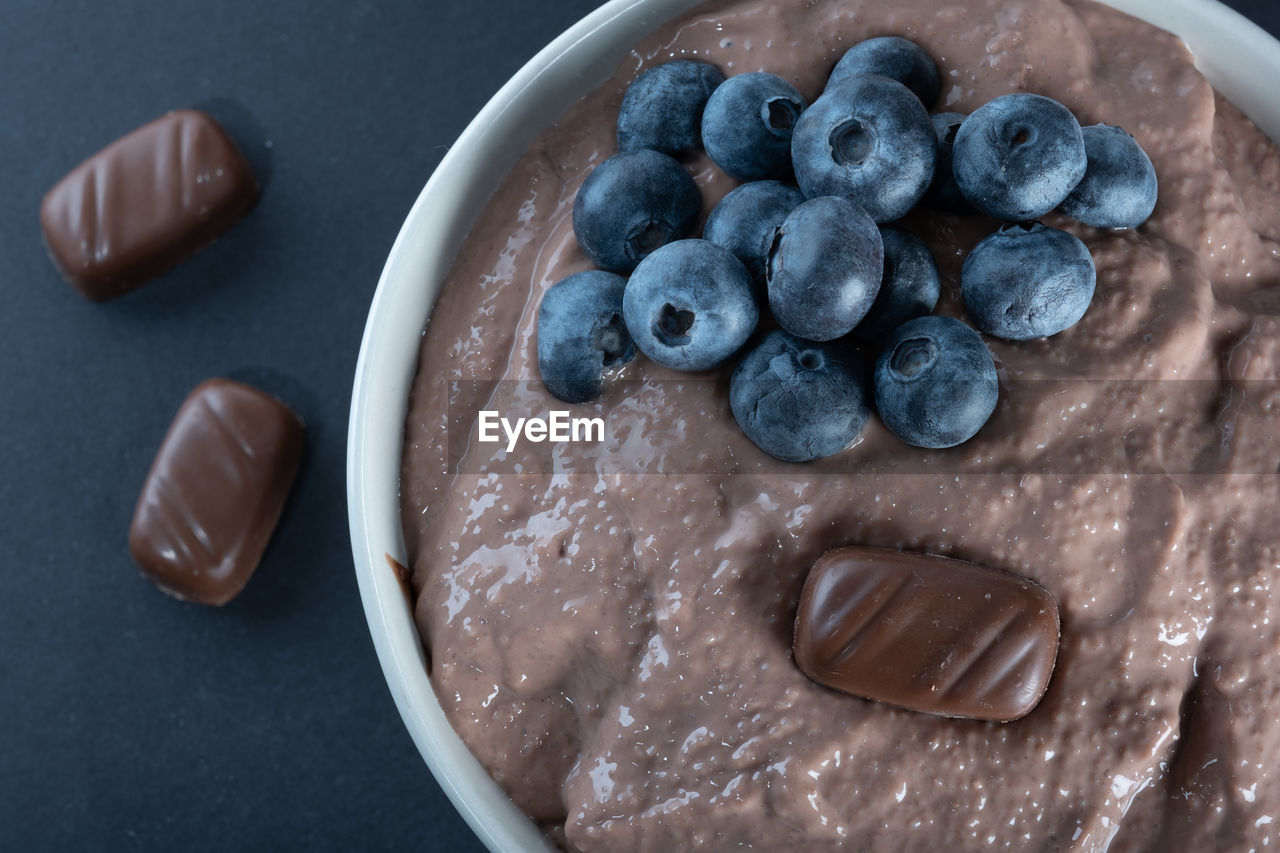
(662, 108)
(581, 334)
(1119, 185)
(943, 192)
(746, 127)
(1018, 156)
(745, 220)
(824, 268)
(690, 305)
(935, 382)
(630, 205)
(893, 57)
(870, 140)
(799, 400)
(1027, 281)
(909, 287)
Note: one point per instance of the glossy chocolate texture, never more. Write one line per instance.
(145, 203)
(215, 491)
(927, 633)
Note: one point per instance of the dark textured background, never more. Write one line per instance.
(129, 720)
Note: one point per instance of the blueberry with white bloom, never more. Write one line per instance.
(896, 58)
(745, 220)
(799, 400)
(1119, 185)
(935, 382)
(630, 205)
(909, 287)
(870, 140)
(662, 108)
(824, 270)
(1028, 281)
(1018, 156)
(747, 125)
(690, 305)
(581, 334)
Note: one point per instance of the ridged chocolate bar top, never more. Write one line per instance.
(145, 203)
(215, 491)
(927, 633)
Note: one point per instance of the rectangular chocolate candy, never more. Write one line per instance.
(927, 633)
(145, 203)
(215, 491)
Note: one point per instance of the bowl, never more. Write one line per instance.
(1222, 41)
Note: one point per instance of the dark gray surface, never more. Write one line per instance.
(129, 720)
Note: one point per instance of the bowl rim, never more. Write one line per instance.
(582, 57)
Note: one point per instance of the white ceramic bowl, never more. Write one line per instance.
(1239, 58)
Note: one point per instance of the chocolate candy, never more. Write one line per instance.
(145, 203)
(215, 491)
(927, 633)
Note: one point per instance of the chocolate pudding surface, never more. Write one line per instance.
(609, 624)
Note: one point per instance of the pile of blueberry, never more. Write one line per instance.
(802, 244)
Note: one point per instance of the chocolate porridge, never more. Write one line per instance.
(610, 623)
